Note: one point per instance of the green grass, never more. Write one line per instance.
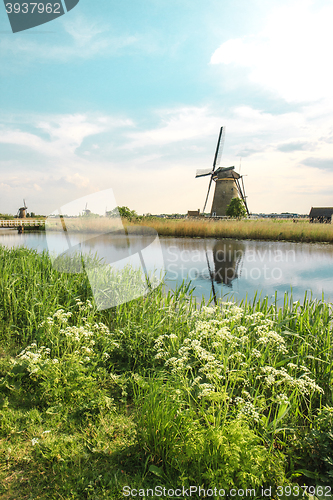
(157, 391)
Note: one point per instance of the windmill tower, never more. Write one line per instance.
(228, 183)
(22, 212)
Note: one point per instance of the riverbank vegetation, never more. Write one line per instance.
(261, 229)
(160, 391)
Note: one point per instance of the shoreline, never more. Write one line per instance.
(272, 230)
(262, 229)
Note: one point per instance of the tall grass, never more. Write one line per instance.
(243, 229)
(261, 229)
(84, 224)
(158, 391)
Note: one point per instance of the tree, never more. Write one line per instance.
(124, 212)
(236, 208)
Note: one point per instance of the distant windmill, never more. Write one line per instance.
(86, 211)
(227, 182)
(22, 212)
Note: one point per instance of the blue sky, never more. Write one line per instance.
(131, 95)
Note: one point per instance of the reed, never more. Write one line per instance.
(260, 229)
(84, 224)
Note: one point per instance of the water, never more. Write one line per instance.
(229, 268)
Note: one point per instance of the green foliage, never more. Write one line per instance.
(178, 437)
(27, 279)
(124, 212)
(6, 217)
(159, 390)
(236, 209)
(316, 449)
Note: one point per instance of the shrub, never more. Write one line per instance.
(316, 450)
(236, 209)
(182, 444)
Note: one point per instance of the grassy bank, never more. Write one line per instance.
(158, 391)
(260, 229)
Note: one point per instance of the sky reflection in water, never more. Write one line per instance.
(236, 268)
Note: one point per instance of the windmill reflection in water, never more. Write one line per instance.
(227, 260)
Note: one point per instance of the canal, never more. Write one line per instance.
(231, 269)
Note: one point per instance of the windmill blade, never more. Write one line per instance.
(202, 172)
(25, 205)
(242, 192)
(219, 148)
(210, 183)
(244, 197)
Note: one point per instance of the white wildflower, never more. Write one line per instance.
(282, 399)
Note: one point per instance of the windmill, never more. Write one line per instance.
(22, 212)
(86, 211)
(227, 182)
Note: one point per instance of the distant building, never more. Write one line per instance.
(321, 214)
(285, 215)
(193, 213)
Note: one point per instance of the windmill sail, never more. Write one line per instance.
(217, 159)
(210, 183)
(244, 197)
(219, 148)
(201, 172)
(241, 191)
(228, 183)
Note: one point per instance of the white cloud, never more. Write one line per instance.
(182, 124)
(20, 138)
(159, 175)
(65, 133)
(83, 39)
(77, 180)
(290, 56)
